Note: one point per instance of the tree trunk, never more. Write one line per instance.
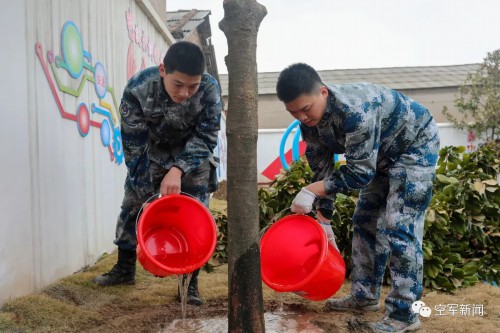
(240, 25)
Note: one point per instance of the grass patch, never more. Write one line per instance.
(42, 313)
(75, 304)
(217, 204)
(7, 321)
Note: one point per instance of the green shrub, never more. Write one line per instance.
(275, 201)
(462, 225)
(220, 252)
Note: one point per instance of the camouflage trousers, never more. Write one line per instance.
(195, 183)
(388, 224)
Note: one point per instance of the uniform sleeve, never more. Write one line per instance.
(201, 145)
(321, 162)
(362, 142)
(135, 140)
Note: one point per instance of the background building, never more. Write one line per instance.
(434, 87)
(194, 26)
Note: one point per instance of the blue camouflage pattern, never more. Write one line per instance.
(158, 134)
(391, 145)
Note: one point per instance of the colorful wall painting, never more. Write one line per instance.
(77, 62)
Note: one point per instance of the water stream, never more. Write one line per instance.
(280, 302)
(183, 289)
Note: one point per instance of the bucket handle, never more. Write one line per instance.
(282, 213)
(158, 195)
(142, 208)
(273, 220)
(279, 215)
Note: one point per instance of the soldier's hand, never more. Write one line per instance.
(171, 183)
(302, 204)
(325, 224)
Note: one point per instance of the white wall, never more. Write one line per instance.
(62, 191)
(16, 238)
(221, 150)
(450, 136)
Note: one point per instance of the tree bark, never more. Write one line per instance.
(240, 25)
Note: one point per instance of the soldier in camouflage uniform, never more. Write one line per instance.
(391, 147)
(170, 118)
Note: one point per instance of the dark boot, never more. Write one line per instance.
(122, 273)
(193, 296)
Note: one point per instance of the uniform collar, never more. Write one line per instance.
(328, 111)
(162, 93)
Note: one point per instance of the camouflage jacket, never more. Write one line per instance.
(155, 129)
(371, 125)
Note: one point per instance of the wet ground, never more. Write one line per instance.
(77, 305)
(212, 318)
(277, 322)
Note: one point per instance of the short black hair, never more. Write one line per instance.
(295, 80)
(184, 57)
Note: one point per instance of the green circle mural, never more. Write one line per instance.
(72, 49)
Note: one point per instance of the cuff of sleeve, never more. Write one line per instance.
(327, 213)
(325, 207)
(182, 165)
(178, 167)
(329, 185)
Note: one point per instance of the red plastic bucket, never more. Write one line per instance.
(296, 257)
(176, 234)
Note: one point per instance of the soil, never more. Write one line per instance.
(156, 319)
(75, 304)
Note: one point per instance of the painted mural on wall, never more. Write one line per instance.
(77, 62)
(141, 41)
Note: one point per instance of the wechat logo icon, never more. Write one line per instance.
(419, 308)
